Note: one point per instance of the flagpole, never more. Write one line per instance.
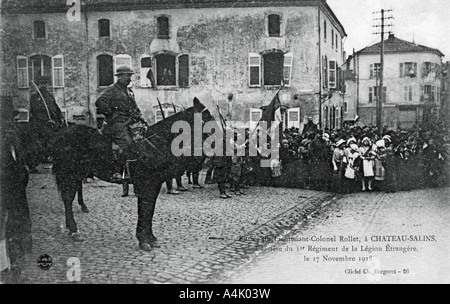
(174, 109)
(279, 90)
(160, 107)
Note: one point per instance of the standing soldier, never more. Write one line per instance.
(118, 105)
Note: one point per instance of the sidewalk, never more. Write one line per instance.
(201, 236)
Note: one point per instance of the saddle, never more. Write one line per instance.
(136, 131)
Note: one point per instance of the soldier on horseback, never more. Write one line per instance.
(118, 105)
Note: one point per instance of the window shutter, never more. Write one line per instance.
(325, 71)
(370, 94)
(415, 68)
(22, 72)
(401, 70)
(332, 74)
(425, 69)
(58, 71)
(287, 69)
(146, 65)
(371, 71)
(183, 71)
(255, 116)
(254, 70)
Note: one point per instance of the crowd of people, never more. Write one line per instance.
(361, 159)
(347, 160)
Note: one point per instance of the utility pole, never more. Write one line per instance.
(380, 95)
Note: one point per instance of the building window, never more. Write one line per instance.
(428, 67)
(332, 38)
(22, 72)
(336, 41)
(325, 30)
(332, 74)
(58, 71)
(375, 70)
(255, 116)
(103, 28)
(373, 94)
(39, 29)
(163, 27)
(345, 107)
(165, 70)
(105, 68)
(41, 65)
(408, 69)
(274, 67)
(274, 25)
(428, 93)
(408, 93)
(172, 70)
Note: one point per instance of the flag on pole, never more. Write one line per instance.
(272, 115)
(151, 77)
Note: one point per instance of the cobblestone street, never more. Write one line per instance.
(201, 236)
(419, 213)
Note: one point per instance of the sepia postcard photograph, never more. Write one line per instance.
(224, 147)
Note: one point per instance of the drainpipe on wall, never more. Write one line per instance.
(320, 70)
(356, 65)
(87, 63)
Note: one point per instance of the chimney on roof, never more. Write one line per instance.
(391, 36)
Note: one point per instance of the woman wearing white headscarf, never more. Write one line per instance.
(350, 155)
(368, 154)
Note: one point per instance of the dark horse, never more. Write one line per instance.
(79, 150)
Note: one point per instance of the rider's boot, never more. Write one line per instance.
(118, 165)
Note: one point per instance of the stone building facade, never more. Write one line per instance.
(445, 93)
(232, 55)
(412, 83)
